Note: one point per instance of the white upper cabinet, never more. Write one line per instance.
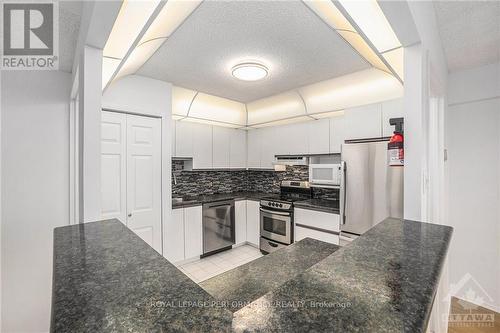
(254, 148)
(184, 139)
(172, 136)
(202, 146)
(297, 136)
(391, 109)
(238, 149)
(268, 147)
(221, 147)
(319, 136)
(337, 133)
(363, 122)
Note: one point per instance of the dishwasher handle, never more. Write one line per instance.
(219, 204)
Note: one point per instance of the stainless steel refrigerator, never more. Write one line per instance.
(371, 190)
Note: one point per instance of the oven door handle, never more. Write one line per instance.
(274, 212)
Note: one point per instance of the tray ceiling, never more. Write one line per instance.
(470, 32)
(296, 46)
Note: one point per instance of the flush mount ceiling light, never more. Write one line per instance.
(249, 71)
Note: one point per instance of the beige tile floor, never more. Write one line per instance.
(219, 263)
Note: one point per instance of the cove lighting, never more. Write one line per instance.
(249, 71)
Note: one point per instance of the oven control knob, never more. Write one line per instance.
(281, 205)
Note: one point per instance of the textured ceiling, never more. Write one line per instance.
(470, 32)
(296, 45)
(70, 13)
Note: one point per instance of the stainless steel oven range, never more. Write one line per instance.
(276, 215)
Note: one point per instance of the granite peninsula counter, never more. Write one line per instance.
(106, 279)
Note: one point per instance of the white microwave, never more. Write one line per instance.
(325, 175)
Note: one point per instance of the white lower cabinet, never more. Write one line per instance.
(318, 225)
(301, 233)
(193, 231)
(253, 222)
(240, 217)
(173, 236)
(182, 234)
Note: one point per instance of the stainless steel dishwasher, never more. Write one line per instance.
(218, 226)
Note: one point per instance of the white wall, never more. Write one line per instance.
(425, 77)
(144, 96)
(90, 134)
(34, 192)
(473, 177)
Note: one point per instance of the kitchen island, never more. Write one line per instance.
(107, 279)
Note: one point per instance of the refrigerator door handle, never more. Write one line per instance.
(342, 193)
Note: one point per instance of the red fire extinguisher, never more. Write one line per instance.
(395, 147)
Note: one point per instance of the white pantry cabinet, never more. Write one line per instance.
(202, 146)
(173, 236)
(318, 225)
(238, 149)
(221, 147)
(391, 109)
(318, 134)
(363, 122)
(240, 216)
(193, 231)
(253, 222)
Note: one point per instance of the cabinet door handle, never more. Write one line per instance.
(129, 215)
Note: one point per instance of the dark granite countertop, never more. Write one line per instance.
(322, 205)
(201, 199)
(107, 279)
(384, 281)
(244, 284)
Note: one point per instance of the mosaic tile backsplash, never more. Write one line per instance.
(193, 183)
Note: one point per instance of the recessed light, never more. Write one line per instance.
(249, 71)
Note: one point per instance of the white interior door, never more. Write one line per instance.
(144, 178)
(113, 166)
